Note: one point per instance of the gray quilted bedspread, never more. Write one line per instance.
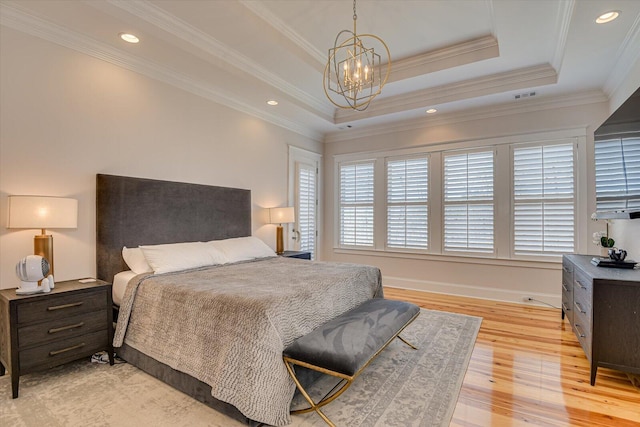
(228, 325)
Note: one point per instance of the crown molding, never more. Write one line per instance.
(626, 57)
(478, 49)
(477, 113)
(537, 75)
(203, 41)
(563, 23)
(261, 11)
(19, 20)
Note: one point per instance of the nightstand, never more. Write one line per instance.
(41, 331)
(297, 254)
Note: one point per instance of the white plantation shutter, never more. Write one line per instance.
(468, 202)
(544, 199)
(307, 208)
(618, 173)
(356, 204)
(407, 196)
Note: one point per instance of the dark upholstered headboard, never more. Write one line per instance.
(137, 211)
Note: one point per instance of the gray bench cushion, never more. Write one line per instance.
(346, 343)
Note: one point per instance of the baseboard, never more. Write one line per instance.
(495, 294)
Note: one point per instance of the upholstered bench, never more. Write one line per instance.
(344, 346)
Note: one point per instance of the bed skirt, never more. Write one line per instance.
(182, 382)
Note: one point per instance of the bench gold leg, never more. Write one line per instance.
(313, 405)
(407, 343)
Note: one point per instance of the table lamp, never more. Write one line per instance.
(281, 216)
(42, 212)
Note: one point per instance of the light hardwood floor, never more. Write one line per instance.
(528, 368)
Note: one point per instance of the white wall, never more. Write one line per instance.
(65, 116)
(495, 279)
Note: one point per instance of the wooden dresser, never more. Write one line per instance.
(603, 307)
(41, 331)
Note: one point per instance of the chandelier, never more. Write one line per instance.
(354, 73)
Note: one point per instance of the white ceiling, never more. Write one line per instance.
(453, 55)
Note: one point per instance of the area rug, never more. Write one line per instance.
(402, 387)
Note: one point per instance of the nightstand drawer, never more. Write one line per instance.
(62, 328)
(62, 306)
(58, 352)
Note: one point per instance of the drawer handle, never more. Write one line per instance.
(564, 287)
(60, 307)
(565, 269)
(565, 308)
(580, 285)
(64, 328)
(579, 307)
(64, 350)
(580, 333)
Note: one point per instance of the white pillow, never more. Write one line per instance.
(181, 256)
(135, 260)
(242, 248)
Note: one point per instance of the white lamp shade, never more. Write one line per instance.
(281, 215)
(42, 212)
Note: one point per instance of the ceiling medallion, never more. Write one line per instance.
(354, 73)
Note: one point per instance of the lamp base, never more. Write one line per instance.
(279, 240)
(43, 246)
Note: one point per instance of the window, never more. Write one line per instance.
(505, 198)
(356, 204)
(306, 198)
(407, 208)
(468, 202)
(543, 199)
(617, 173)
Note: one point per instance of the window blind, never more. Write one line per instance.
(617, 173)
(468, 202)
(407, 208)
(544, 202)
(307, 208)
(356, 204)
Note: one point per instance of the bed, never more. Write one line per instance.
(235, 317)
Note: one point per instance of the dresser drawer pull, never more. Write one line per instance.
(579, 307)
(60, 307)
(565, 308)
(580, 285)
(565, 269)
(64, 350)
(564, 288)
(64, 328)
(580, 333)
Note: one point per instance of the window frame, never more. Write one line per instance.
(575, 198)
(415, 156)
(339, 204)
(468, 202)
(503, 170)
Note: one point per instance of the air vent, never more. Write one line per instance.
(525, 95)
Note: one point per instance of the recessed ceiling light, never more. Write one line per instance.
(431, 110)
(272, 102)
(607, 17)
(129, 38)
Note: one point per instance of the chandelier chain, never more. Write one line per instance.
(354, 10)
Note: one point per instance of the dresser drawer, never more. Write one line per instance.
(62, 328)
(58, 352)
(567, 274)
(582, 289)
(62, 306)
(582, 328)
